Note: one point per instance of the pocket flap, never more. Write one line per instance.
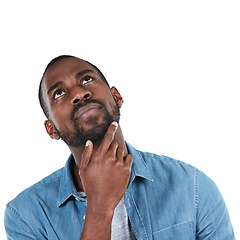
(178, 231)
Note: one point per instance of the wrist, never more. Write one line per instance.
(97, 224)
(99, 212)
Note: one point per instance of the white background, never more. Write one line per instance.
(176, 64)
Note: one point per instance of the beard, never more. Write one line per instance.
(96, 133)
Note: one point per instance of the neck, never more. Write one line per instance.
(78, 151)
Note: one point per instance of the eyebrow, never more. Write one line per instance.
(54, 86)
(57, 84)
(79, 74)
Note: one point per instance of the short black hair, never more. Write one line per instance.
(54, 60)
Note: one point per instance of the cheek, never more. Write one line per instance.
(112, 106)
(61, 116)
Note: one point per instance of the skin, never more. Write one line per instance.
(102, 170)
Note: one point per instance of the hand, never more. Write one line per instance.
(105, 173)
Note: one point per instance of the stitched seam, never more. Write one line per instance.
(189, 223)
(148, 171)
(13, 210)
(59, 192)
(17, 214)
(196, 190)
(129, 216)
(145, 232)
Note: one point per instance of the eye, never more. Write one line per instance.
(87, 79)
(58, 94)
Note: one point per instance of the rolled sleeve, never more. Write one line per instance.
(213, 221)
(15, 227)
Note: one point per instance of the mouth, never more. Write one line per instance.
(87, 110)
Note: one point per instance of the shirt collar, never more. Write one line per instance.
(139, 167)
(68, 189)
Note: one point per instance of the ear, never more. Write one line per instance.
(117, 96)
(51, 129)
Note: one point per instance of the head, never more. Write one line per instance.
(55, 60)
(77, 101)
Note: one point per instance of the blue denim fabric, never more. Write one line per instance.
(166, 199)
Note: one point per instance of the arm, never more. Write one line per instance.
(104, 175)
(213, 221)
(15, 227)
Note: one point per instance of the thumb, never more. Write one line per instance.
(87, 153)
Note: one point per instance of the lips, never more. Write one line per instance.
(86, 110)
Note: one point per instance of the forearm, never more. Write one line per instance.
(97, 225)
(104, 175)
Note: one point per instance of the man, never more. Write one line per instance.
(108, 189)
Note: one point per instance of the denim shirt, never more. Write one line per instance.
(165, 199)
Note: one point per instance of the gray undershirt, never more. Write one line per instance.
(121, 227)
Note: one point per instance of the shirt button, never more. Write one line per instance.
(76, 199)
(84, 217)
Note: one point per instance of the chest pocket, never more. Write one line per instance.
(180, 231)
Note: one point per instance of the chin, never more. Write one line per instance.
(94, 133)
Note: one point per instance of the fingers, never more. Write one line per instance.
(129, 160)
(108, 149)
(120, 155)
(108, 137)
(87, 153)
(113, 149)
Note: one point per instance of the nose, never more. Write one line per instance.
(79, 94)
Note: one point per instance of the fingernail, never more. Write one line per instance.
(115, 124)
(87, 143)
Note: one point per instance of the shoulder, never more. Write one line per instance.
(195, 189)
(152, 160)
(43, 189)
(167, 165)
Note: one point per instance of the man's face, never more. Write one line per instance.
(80, 104)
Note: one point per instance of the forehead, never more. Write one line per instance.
(64, 69)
